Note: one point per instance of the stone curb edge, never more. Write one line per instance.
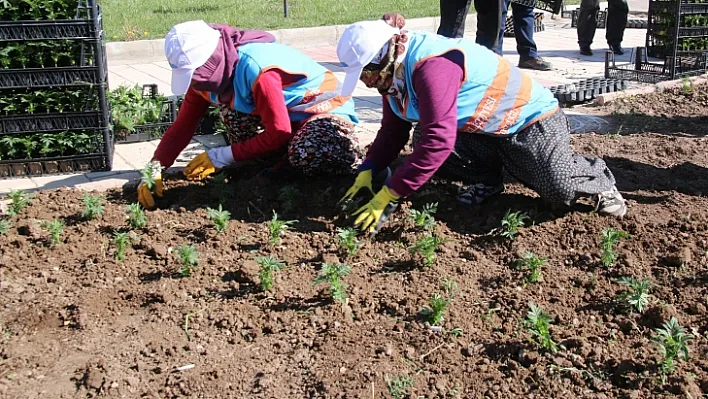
(142, 51)
(607, 98)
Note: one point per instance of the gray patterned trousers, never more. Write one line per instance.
(540, 157)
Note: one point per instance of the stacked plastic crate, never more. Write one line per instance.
(677, 28)
(678, 33)
(54, 117)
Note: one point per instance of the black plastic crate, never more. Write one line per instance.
(538, 25)
(152, 130)
(52, 122)
(641, 70)
(21, 11)
(49, 30)
(97, 156)
(55, 166)
(676, 28)
(552, 6)
(209, 122)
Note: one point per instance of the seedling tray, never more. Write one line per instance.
(38, 123)
(49, 30)
(54, 166)
(586, 89)
(600, 18)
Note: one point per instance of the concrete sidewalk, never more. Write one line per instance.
(557, 44)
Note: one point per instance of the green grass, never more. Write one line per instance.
(152, 19)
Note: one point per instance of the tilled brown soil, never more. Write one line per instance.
(77, 323)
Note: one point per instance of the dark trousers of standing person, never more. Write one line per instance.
(523, 30)
(617, 11)
(489, 21)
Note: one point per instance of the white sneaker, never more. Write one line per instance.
(610, 203)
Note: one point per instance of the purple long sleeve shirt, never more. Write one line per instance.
(437, 82)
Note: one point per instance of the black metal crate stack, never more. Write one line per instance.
(677, 28)
(54, 116)
(552, 6)
(538, 25)
(640, 69)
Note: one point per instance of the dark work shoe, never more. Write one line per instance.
(585, 50)
(477, 193)
(538, 64)
(617, 49)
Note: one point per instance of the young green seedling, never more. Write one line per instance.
(189, 258)
(399, 387)
(637, 295)
(148, 173)
(54, 228)
(136, 216)
(92, 206)
(18, 201)
(4, 226)
(610, 237)
(533, 264)
(437, 304)
(424, 219)
(269, 265)
(426, 247)
(511, 223)
(277, 227)
(673, 346)
(219, 217)
(333, 275)
(289, 197)
(122, 242)
(538, 323)
(348, 241)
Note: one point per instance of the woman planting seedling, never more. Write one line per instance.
(274, 101)
(469, 100)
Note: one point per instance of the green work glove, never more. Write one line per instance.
(372, 215)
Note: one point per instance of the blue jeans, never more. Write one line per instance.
(523, 30)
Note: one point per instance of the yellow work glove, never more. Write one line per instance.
(145, 190)
(372, 215)
(363, 180)
(208, 162)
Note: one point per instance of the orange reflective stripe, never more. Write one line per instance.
(327, 105)
(522, 99)
(489, 103)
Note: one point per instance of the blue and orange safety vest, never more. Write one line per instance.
(315, 93)
(495, 97)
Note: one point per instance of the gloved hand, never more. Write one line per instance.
(363, 180)
(144, 192)
(372, 215)
(208, 162)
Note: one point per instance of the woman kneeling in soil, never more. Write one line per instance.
(476, 113)
(273, 100)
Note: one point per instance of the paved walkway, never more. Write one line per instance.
(557, 44)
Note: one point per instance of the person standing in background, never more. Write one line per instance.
(454, 12)
(523, 18)
(491, 22)
(617, 11)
